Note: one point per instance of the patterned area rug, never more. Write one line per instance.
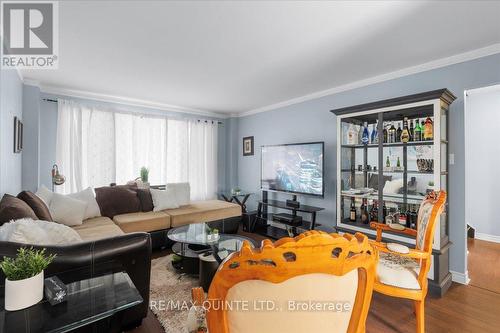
(170, 295)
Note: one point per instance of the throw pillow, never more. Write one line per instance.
(163, 199)
(38, 205)
(45, 194)
(182, 192)
(145, 198)
(28, 231)
(393, 186)
(67, 210)
(115, 200)
(12, 208)
(87, 196)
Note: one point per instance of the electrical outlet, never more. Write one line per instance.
(451, 159)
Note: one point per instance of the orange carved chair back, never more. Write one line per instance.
(313, 263)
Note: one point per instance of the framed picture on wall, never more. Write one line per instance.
(18, 135)
(248, 146)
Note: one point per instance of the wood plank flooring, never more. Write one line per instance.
(465, 309)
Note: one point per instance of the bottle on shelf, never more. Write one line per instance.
(365, 218)
(387, 162)
(417, 132)
(414, 217)
(384, 212)
(422, 125)
(398, 163)
(412, 131)
(385, 134)
(352, 135)
(374, 135)
(391, 133)
(398, 133)
(428, 132)
(405, 134)
(374, 212)
(408, 217)
(365, 137)
(352, 214)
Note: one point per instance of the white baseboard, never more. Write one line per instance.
(486, 237)
(460, 277)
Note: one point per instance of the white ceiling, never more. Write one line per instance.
(233, 57)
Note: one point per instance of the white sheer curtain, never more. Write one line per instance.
(97, 147)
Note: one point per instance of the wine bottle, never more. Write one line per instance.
(398, 133)
(428, 133)
(374, 212)
(392, 133)
(360, 134)
(352, 215)
(412, 131)
(387, 162)
(365, 138)
(365, 218)
(417, 132)
(384, 212)
(405, 134)
(398, 163)
(385, 134)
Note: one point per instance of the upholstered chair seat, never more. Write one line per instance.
(398, 271)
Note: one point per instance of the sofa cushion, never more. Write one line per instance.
(142, 221)
(202, 211)
(98, 228)
(115, 200)
(37, 204)
(145, 199)
(12, 208)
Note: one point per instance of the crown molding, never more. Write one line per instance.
(30, 82)
(56, 90)
(443, 62)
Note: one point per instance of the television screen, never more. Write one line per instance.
(296, 168)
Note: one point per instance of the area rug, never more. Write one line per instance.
(170, 295)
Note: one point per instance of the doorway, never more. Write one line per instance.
(482, 185)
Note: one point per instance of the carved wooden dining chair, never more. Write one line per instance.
(405, 275)
(315, 282)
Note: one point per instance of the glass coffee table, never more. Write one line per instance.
(192, 240)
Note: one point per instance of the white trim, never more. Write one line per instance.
(125, 100)
(443, 62)
(487, 237)
(30, 82)
(460, 277)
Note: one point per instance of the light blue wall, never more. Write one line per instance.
(312, 121)
(48, 132)
(11, 98)
(31, 154)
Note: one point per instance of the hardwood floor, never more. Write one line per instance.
(483, 264)
(465, 309)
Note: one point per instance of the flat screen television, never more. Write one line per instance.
(294, 168)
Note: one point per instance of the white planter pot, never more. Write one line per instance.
(21, 294)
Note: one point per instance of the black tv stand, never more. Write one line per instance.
(262, 225)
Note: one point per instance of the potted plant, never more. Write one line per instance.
(24, 278)
(236, 190)
(430, 187)
(144, 175)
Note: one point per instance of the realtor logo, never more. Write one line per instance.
(30, 34)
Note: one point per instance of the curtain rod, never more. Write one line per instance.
(55, 101)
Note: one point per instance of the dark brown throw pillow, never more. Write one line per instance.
(39, 207)
(145, 199)
(12, 208)
(116, 200)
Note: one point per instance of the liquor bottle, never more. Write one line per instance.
(418, 132)
(428, 135)
(408, 217)
(360, 134)
(414, 217)
(352, 215)
(398, 163)
(365, 218)
(422, 125)
(398, 133)
(412, 131)
(391, 137)
(374, 212)
(387, 162)
(365, 137)
(384, 212)
(374, 136)
(352, 135)
(405, 134)
(385, 134)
